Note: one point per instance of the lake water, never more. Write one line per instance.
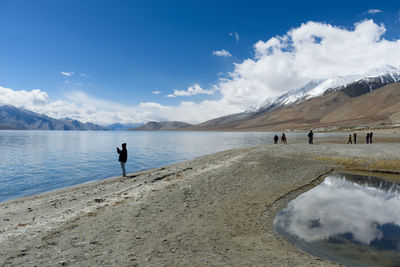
(351, 219)
(33, 162)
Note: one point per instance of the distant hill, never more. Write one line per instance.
(222, 123)
(123, 127)
(162, 126)
(17, 118)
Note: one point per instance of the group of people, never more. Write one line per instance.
(368, 138)
(311, 138)
(283, 139)
(349, 141)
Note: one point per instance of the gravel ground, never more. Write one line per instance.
(213, 211)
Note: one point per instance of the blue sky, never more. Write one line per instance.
(132, 55)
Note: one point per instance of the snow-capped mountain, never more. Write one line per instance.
(353, 85)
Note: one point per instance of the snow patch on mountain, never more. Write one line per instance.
(261, 105)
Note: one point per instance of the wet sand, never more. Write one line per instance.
(213, 211)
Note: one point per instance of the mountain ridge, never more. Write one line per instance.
(22, 119)
(162, 126)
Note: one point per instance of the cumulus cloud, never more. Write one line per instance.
(23, 98)
(156, 92)
(222, 53)
(67, 73)
(374, 11)
(84, 75)
(235, 35)
(195, 89)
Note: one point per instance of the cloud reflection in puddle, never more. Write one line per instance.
(361, 210)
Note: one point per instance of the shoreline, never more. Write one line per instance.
(383, 136)
(206, 211)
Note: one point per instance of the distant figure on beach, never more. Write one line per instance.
(370, 137)
(283, 139)
(355, 137)
(276, 138)
(310, 137)
(367, 137)
(123, 157)
(349, 141)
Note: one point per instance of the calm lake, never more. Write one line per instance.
(33, 162)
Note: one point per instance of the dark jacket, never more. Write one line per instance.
(123, 154)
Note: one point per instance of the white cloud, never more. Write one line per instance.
(222, 53)
(21, 98)
(67, 73)
(152, 105)
(195, 89)
(235, 35)
(84, 75)
(83, 107)
(156, 92)
(374, 11)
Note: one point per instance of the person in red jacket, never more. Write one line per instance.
(123, 157)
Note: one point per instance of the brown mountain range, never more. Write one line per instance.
(333, 110)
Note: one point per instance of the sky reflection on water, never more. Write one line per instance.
(346, 212)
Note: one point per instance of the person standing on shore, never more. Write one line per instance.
(367, 137)
(355, 137)
(283, 139)
(276, 138)
(349, 141)
(123, 157)
(370, 137)
(310, 137)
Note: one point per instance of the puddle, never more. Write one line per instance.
(350, 219)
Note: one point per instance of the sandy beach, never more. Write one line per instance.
(216, 210)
